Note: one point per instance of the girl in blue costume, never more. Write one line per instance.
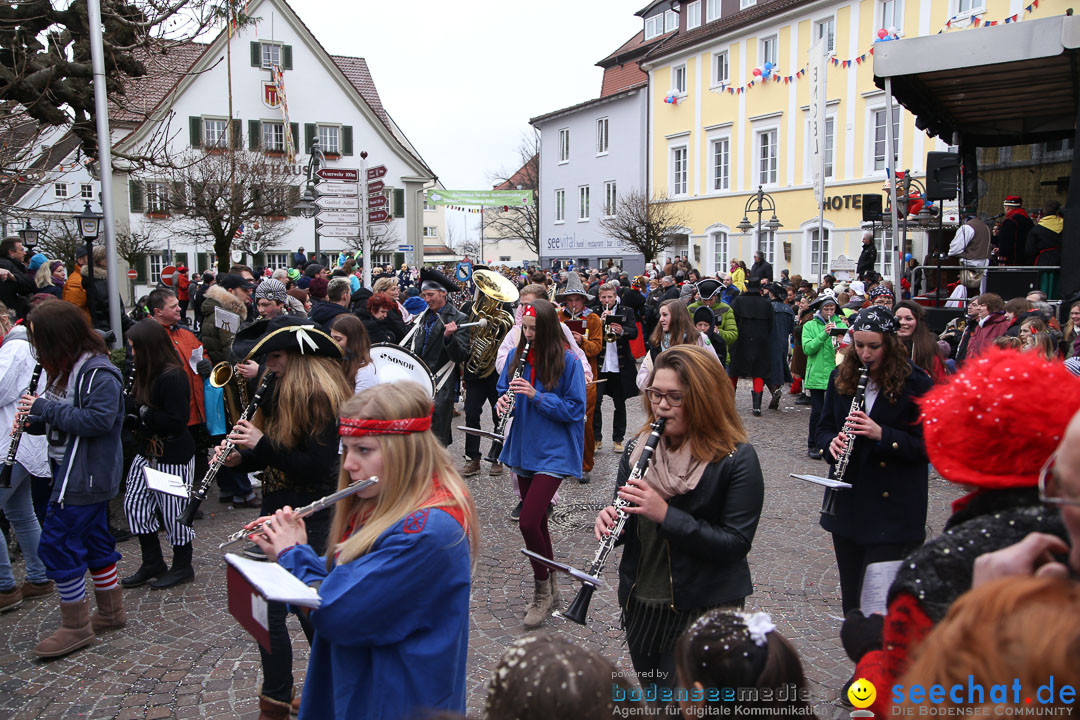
(547, 436)
(391, 634)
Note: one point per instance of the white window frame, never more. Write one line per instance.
(654, 26)
(156, 261)
(267, 62)
(886, 254)
(156, 193)
(610, 198)
(60, 191)
(713, 10)
(759, 132)
(278, 260)
(871, 138)
(764, 44)
(428, 205)
(830, 152)
(721, 242)
(678, 79)
(434, 231)
(221, 141)
(584, 203)
(671, 21)
(603, 128)
(268, 126)
(719, 182)
(693, 15)
(768, 248)
(830, 23)
(974, 7)
(721, 60)
(86, 191)
(675, 182)
(810, 232)
(897, 20)
(331, 130)
(560, 206)
(564, 146)
(743, 4)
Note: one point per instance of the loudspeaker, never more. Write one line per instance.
(1009, 283)
(872, 207)
(942, 175)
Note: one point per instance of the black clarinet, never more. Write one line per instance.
(198, 495)
(828, 502)
(17, 433)
(500, 428)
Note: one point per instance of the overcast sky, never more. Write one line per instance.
(463, 77)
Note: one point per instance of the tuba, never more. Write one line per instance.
(493, 290)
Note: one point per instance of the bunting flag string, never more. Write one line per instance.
(954, 21)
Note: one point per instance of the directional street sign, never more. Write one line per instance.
(338, 216)
(337, 188)
(376, 229)
(342, 174)
(405, 248)
(378, 216)
(336, 202)
(339, 231)
(375, 186)
(374, 173)
(377, 201)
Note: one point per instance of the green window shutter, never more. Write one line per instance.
(195, 124)
(294, 129)
(254, 134)
(309, 136)
(292, 198)
(178, 196)
(181, 258)
(286, 57)
(140, 269)
(346, 139)
(399, 203)
(237, 134)
(256, 55)
(135, 196)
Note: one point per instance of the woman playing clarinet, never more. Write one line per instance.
(159, 403)
(692, 516)
(547, 435)
(391, 634)
(883, 515)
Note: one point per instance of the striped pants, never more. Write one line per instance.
(141, 503)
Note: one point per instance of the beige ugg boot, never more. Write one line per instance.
(110, 610)
(75, 631)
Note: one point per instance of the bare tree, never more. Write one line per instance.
(519, 221)
(133, 244)
(648, 226)
(60, 240)
(387, 243)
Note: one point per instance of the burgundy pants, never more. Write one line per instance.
(536, 494)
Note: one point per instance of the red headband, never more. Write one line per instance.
(358, 427)
(529, 310)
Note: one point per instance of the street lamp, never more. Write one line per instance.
(29, 236)
(306, 205)
(760, 202)
(88, 223)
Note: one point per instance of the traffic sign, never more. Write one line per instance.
(378, 216)
(374, 173)
(167, 275)
(339, 230)
(337, 188)
(339, 216)
(342, 174)
(377, 229)
(376, 201)
(405, 248)
(132, 274)
(375, 186)
(337, 202)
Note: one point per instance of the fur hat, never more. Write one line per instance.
(982, 429)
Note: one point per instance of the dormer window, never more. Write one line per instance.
(654, 26)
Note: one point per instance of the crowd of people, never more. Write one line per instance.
(295, 347)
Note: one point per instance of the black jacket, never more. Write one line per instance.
(166, 420)
(761, 269)
(16, 292)
(867, 260)
(634, 300)
(887, 503)
(750, 356)
(324, 312)
(1043, 246)
(708, 531)
(627, 364)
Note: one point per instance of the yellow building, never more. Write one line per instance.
(728, 131)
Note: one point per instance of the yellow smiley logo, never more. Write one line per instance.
(862, 693)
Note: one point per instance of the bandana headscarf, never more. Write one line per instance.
(878, 291)
(874, 319)
(359, 427)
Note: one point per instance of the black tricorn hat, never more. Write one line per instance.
(434, 277)
(707, 288)
(292, 335)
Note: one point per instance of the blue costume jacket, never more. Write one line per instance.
(547, 434)
(392, 633)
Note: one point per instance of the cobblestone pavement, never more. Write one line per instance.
(183, 656)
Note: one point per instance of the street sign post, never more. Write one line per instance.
(337, 188)
(340, 231)
(132, 274)
(341, 174)
(405, 248)
(337, 202)
(374, 173)
(377, 216)
(377, 229)
(339, 216)
(375, 186)
(376, 200)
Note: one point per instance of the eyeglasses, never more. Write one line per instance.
(1050, 490)
(674, 399)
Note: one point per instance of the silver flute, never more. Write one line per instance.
(320, 504)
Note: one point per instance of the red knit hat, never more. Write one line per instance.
(995, 423)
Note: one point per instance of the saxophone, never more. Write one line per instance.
(840, 469)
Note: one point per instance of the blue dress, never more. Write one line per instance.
(547, 434)
(392, 633)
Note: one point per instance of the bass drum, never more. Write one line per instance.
(394, 363)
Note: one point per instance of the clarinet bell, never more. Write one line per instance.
(192, 509)
(579, 608)
(5, 475)
(828, 503)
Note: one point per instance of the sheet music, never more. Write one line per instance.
(875, 586)
(818, 480)
(225, 320)
(275, 582)
(166, 483)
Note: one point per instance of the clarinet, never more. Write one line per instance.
(500, 427)
(828, 505)
(188, 518)
(17, 433)
(579, 608)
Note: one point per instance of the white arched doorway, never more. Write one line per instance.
(815, 250)
(717, 252)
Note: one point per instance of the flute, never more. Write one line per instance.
(311, 509)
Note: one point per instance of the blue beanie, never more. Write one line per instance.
(37, 261)
(415, 305)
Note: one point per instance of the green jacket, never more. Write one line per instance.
(820, 354)
(725, 320)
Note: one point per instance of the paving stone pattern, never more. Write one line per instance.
(183, 656)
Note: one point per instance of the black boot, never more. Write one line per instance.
(757, 402)
(153, 565)
(181, 572)
(774, 404)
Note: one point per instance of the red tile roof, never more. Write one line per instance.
(622, 77)
(165, 67)
(357, 72)
(525, 176)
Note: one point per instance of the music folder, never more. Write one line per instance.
(818, 480)
(252, 584)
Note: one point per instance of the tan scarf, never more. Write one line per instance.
(671, 472)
